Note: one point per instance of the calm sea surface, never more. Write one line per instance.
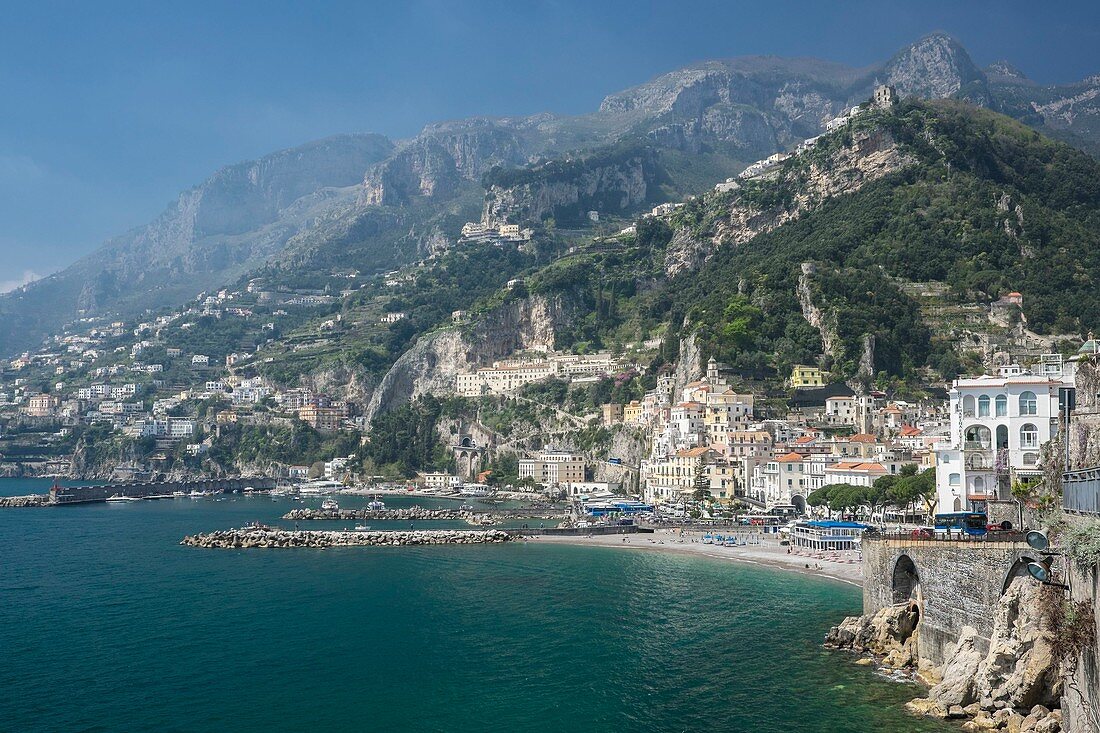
(107, 624)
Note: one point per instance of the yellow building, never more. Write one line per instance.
(803, 377)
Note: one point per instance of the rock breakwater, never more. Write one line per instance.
(247, 538)
(18, 502)
(414, 513)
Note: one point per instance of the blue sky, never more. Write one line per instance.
(110, 109)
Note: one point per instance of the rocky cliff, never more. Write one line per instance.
(798, 185)
(433, 363)
(1016, 685)
(616, 182)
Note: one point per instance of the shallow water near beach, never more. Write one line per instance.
(106, 623)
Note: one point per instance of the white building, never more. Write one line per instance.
(998, 425)
(553, 468)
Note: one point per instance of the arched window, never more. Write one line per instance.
(968, 406)
(983, 406)
(977, 438)
(979, 484)
(1002, 437)
(1028, 404)
(1002, 405)
(1029, 436)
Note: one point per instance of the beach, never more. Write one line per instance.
(769, 553)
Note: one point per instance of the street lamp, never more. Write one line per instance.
(1041, 571)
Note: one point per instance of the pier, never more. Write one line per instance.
(404, 514)
(144, 490)
(319, 539)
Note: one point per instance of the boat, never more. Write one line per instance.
(196, 494)
(376, 505)
(119, 498)
(330, 505)
(466, 508)
(178, 494)
(361, 528)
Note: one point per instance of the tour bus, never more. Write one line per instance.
(969, 523)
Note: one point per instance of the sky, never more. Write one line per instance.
(108, 110)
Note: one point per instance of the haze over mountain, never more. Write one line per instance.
(369, 203)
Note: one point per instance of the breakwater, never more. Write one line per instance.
(144, 490)
(413, 513)
(319, 539)
(579, 531)
(24, 501)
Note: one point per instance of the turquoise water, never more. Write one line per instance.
(107, 624)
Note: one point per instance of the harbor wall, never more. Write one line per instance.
(578, 531)
(141, 490)
(954, 583)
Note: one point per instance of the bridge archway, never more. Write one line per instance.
(905, 580)
(799, 503)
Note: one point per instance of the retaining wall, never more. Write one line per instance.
(956, 583)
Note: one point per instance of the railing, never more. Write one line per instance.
(1081, 491)
(917, 535)
(976, 445)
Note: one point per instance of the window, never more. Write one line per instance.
(977, 437)
(968, 406)
(1029, 436)
(1028, 404)
(953, 479)
(979, 484)
(1002, 405)
(1030, 459)
(983, 406)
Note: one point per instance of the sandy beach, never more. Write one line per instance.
(769, 553)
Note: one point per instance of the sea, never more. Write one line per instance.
(108, 624)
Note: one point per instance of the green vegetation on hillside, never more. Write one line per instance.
(953, 217)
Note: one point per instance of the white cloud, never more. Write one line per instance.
(6, 286)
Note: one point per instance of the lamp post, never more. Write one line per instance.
(1041, 571)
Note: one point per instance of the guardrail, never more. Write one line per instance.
(916, 535)
(1081, 491)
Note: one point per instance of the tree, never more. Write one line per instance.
(911, 487)
(820, 497)
(702, 485)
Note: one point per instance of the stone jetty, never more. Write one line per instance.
(414, 513)
(267, 537)
(19, 502)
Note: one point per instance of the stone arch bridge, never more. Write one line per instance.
(953, 583)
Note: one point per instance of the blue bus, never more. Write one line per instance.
(970, 523)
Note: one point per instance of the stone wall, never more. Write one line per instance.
(955, 583)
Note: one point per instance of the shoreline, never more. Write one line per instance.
(768, 554)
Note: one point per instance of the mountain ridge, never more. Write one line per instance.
(728, 112)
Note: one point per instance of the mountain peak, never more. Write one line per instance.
(935, 66)
(1004, 72)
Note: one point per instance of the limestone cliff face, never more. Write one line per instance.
(433, 363)
(935, 66)
(824, 323)
(424, 168)
(1017, 679)
(619, 186)
(870, 155)
(689, 367)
